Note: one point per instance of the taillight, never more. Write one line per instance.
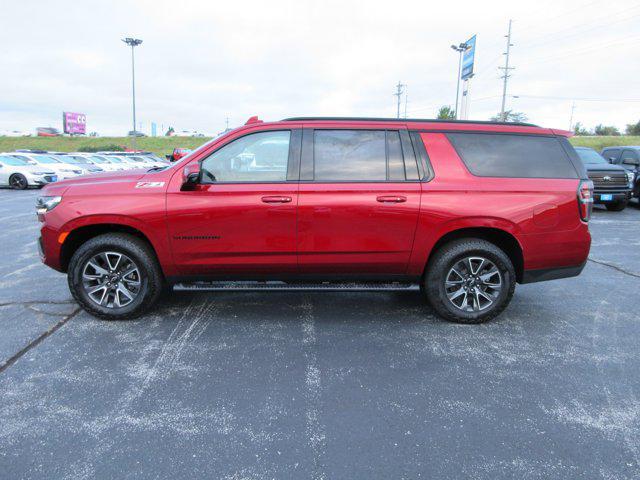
(585, 199)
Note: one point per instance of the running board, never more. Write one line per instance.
(296, 286)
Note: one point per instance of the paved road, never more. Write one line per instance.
(321, 385)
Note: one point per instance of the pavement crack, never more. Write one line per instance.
(36, 302)
(615, 267)
(37, 341)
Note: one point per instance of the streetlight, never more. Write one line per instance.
(460, 49)
(133, 42)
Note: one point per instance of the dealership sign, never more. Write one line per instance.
(468, 58)
(74, 123)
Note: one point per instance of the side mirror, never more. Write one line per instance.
(190, 176)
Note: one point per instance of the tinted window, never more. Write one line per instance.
(519, 156)
(394, 150)
(611, 154)
(259, 157)
(349, 155)
(629, 155)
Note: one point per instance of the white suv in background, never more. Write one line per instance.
(20, 174)
(63, 170)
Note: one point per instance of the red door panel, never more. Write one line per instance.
(229, 229)
(358, 228)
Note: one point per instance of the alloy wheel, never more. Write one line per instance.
(473, 284)
(111, 279)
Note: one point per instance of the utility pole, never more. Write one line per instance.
(398, 94)
(573, 108)
(406, 99)
(506, 75)
(227, 124)
(133, 42)
(460, 49)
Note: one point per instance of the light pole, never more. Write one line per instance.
(460, 49)
(133, 42)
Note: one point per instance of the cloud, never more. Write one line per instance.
(202, 61)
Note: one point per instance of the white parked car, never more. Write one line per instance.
(51, 163)
(102, 161)
(78, 161)
(20, 174)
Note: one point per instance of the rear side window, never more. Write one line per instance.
(349, 155)
(515, 156)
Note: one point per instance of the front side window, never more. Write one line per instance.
(513, 155)
(258, 157)
(349, 155)
(611, 154)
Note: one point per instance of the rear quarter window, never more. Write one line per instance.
(513, 156)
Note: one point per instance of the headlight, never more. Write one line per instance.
(46, 204)
(630, 178)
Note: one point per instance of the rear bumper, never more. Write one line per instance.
(544, 274)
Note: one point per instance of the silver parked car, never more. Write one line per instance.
(20, 174)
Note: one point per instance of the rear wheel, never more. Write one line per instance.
(469, 281)
(115, 276)
(617, 206)
(17, 181)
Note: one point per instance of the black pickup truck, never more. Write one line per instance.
(612, 184)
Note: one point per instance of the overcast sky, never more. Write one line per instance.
(202, 61)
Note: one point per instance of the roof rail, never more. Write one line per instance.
(404, 120)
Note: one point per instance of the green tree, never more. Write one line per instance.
(510, 116)
(446, 113)
(606, 130)
(578, 129)
(633, 128)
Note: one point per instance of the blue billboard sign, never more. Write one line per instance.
(468, 58)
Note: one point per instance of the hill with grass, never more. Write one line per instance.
(164, 145)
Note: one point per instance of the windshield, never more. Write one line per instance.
(590, 157)
(74, 159)
(113, 159)
(95, 159)
(138, 159)
(45, 159)
(16, 162)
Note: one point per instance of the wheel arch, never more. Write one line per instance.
(81, 234)
(502, 239)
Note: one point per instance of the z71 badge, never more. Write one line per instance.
(149, 184)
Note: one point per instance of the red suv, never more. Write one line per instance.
(464, 209)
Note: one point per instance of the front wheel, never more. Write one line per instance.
(18, 181)
(115, 276)
(617, 206)
(469, 281)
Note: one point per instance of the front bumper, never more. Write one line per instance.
(614, 196)
(42, 179)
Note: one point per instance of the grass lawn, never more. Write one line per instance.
(164, 145)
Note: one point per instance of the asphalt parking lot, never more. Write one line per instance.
(253, 385)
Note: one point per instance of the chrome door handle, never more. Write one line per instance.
(276, 199)
(391, 199)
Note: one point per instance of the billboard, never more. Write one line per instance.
(468, 58)
(74, 123)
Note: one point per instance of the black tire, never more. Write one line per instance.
(17, 181)
(151, 279)
(617, 206)
(446, 257)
